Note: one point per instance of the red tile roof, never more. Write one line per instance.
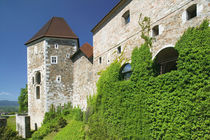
(87, 49)
(55, 27)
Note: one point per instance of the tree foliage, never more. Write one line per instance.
(23, 100)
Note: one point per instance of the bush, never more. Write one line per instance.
(8, 134)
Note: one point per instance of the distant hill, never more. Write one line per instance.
(8, 103)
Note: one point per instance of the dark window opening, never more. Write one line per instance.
(36, 128)
(33, 80)
(166, 60)
(126, 72)
(38, 77)
(100, 60)
(191, 12)
(155, 31)
(38, 92)
(119, 49)
(126, 17)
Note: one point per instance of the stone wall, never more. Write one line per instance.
(82, 80)
(23, 125)
(52, 91)
(170, 15)
(60, 92)
(35, 63)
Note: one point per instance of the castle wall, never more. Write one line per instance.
(52, 90)
(59, 93)
(170, 15)
(82, 80)
(35, 63)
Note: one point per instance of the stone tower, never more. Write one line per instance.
(50, 69)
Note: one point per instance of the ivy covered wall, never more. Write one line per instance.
(174, 105)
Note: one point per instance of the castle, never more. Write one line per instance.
(60, 71)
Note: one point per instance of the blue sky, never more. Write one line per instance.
(21, 19)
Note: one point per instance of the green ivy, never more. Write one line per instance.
(174, 105)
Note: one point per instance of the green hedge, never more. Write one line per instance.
(174, 105)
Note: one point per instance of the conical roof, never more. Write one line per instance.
(55, 27)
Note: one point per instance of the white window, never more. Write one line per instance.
(100, 60)
(56, 46)
(74, 46)
(126, 17)
(119, 50)
(54, 60)
(58, 78)
(67, 55)
(191, 11)
(155, 31)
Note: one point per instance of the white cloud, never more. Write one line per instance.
(4, 93)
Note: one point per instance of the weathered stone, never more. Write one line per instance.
(23, 125)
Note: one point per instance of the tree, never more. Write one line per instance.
(23, 100)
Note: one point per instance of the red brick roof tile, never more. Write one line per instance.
(87, 49)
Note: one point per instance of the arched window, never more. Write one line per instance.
(166, 60)
(38, 77)
(38, 92)
(126, 71)
(126, 17)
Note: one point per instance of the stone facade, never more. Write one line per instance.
(23, 125)
(170, 15)
(56, 79)
(82, 80)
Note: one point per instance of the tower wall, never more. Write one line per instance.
(36, 63)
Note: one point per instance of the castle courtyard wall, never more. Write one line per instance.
(170, 15)
(82, 80)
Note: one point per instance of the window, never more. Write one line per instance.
(191, 12)
(33, 80)
(166, 60)
(126, 72)
(119, 49)
(58, 79)
(54, 60)
(126, 17)
(38, 77)
(56, 46)
(155, 31)
(67, 55)
(100, 60)
(38, 92)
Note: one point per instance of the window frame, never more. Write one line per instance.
(126, 17)
(122, 74)
(191, 12)
(56, 59)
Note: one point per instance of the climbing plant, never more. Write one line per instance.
(174, 105)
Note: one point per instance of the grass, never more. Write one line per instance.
(50, 136)
(11, 123)
(73, 131)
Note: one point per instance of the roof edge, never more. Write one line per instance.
(108, 15)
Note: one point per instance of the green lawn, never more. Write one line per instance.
(11, 123)
(73, 131)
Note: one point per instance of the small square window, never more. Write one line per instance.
(126, 17)
(155, 31)
(119, 50)
(67, 55)
(54, 60)
(56, 46)
(58, 79)
(191, 12)
(100, 60)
